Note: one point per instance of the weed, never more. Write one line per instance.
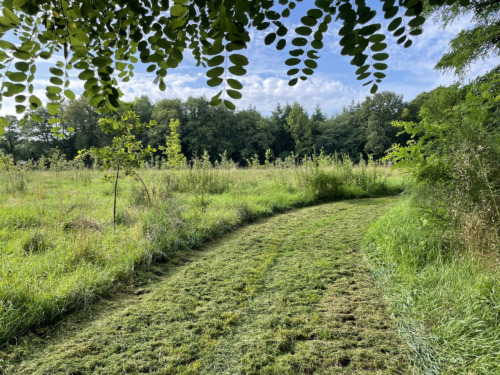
(36, 243)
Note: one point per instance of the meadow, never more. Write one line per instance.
(59, 249)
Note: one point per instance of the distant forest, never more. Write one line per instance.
(359, 130)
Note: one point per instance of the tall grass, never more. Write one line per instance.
(445, 299)
(59, 251)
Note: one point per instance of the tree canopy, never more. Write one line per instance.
(103, 40)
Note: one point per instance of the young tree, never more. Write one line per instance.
(172, 150)
(126, 153)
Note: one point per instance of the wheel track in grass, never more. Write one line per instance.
(289, 294)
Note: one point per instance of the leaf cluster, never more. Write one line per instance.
(126, 152)
(102, 40)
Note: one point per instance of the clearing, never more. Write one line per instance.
(287, 295)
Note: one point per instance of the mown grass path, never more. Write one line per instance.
(289, 294)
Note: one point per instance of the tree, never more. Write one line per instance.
(125, 153)
(470, 45)
(299, 125)
(283, 142)
(163, 111)
(11, 137)
(377, 113)
(103, 39)
(84, 119)
(172, 149)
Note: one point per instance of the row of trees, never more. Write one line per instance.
(361, 128)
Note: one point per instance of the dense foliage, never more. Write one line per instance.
(108, 38)
(360, 129)
(455, 152)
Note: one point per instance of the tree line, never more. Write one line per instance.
(360, 129)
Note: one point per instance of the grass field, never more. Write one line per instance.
(446, 301)
(291, 294)
(59, 251)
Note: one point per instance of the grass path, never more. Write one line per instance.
(288, 295)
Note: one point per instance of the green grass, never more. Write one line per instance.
(58, 250)
(446, 300)
(291, 294)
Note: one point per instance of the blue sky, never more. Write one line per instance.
(332, 87)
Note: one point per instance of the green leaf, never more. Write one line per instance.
(395, 24)
(213, 82)
(22, 66)
(377, 47)
(303, 30)
(374, 89)
(317, 44)
(281, 44)
(299, 42)
(237, 70)
(215, 72)
(20, 109)
(315, 13)
(16, 76)
(234, 94)
(380, 56)
(229, 105)
(363, 76)
(69, 94)
(380, 66)
(311, 64)
(34, 102)
(292, 61)
(238, 60)
(53, 108)
(5, 45)
(292, 72)
(293, 82)
(56, 71)
(215, 61)
(86, 75)
(416, 22)
(391, 12)
(35, 117)
(14, 89)
(234, 84)
(45, 55)
(20, 98)
(56, 81)
(178, 10)
(53, 90)
(4, 123)
(269, 39)
(296, 52)
(362, 69)
(376, 38)
(399, 31)
(308, 21)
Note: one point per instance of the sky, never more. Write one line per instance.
(332, 87)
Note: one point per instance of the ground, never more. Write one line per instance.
(289, 294)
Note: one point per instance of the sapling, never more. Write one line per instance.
(7, 164)
(126, 153)
(172, 150)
